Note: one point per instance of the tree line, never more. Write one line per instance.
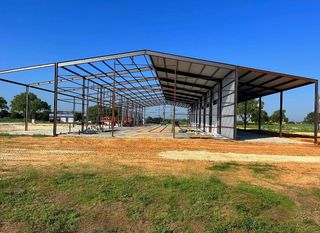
(38, 109)
(253, 114)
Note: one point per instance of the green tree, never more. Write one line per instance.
(36, 105)
(252, 111)
(153, 120)
(264, 117)
(275, 117)
(3, 104)
(310, 118)
(93, 112)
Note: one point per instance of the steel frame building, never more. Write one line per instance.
(132, 81)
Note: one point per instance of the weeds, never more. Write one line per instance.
(20, 201)
(223, 166)
(165, 203)
(316, 193)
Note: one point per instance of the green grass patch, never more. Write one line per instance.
(164, 204)
(20, 201)
(7, 135)
(258, 168)
(316, 193)
(253, 200)
(289, 127)
(223, 166)
(10, 120)
(40, 135)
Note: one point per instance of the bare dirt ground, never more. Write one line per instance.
(227, 157)
(145, 154)
(292, 177)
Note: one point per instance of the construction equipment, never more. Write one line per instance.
(127, 121)
(107, 121)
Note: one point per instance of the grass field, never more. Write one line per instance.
(290, 128)
(116, 185)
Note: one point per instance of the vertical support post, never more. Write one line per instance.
(88, 103)
(281, 114)
(101, 108)
(26, 117)
(127, 110)
(316, 112)
(210, 111)
(144, 115)
(74, 111)
(259, 117)
(83, 103)
(245, 115)
(113, 98)
(98, 106)
(200, 103)
(235, 103)
(120, 113)
(55, 100)
(204, 111)
(174, 102)
(219, 109)
(196, 114)
(131, 113)
(136, 115)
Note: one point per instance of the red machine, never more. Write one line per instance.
(108, 121)
(127, 121)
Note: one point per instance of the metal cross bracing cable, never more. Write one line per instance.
(71, 71)
(110, 78)
(132, 60)
(156, 103)
(76, 77)
(154, 72)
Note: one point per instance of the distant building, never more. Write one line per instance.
(62, 117)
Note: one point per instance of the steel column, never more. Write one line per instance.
(316, 112)
(83, 103)
(200, 103)
(219, 108)
(26, 117)
(196, 114)
(210, 111)
(174, 102)
(204, 111)
(55, 100)
(281, 114)
(113, 98)
(235, 103)
(88, 103)
(74, 111)
(245, 115)
(259, 117)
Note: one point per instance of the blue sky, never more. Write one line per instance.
(274, 35)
